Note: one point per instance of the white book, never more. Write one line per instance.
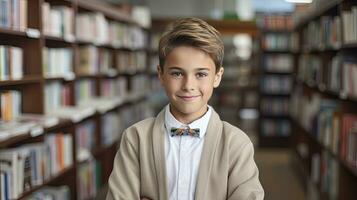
(46, 17)
(56, 21)
(75, 114)
(11, 157)
(17, 63)
(68, 147)
(43, 120)
(23, 14)
(2, 184)
(354, 23)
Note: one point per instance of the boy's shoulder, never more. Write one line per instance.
(142, 125)
(234, 134)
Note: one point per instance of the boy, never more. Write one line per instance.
(186, 152)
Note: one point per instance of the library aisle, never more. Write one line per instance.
(277, 175)
(75, 73)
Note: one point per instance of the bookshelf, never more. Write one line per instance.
(277, 67)
(72, 78)
(324, 99)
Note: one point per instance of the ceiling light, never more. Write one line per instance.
(299, 1)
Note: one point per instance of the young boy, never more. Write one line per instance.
(186, 152)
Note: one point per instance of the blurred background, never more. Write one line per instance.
(75, 73)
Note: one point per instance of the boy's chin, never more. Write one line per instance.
(188, 109)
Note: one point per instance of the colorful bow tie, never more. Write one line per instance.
(185, 131)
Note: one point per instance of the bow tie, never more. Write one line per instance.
(185, 131)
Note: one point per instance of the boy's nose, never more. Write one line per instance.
(188, 84)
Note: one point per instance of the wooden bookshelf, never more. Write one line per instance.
(276, 68)
(325, 157)
(34, 82)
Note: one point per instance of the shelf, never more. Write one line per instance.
(53, 39)
(25, 80)
(279, 51)
(52, 180)
(319, 50)
(330, 93)
(349, 46)
(274, 141)
(277, 73)
(98, 6)
(281, 116)
(225, 27)
(102, 150)
(17, 34)
(279, 31)
(276, 94)
(27, 136)
(344, 163)
(332, 4)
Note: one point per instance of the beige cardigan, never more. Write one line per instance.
(227, 169)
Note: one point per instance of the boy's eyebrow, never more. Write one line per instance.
(197, 69)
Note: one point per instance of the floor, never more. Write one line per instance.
(279, 179)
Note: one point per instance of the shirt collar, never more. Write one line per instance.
(201, 123)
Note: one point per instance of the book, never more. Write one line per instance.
(10, 104)
(58, 62)
(11, 63)
(13, 14)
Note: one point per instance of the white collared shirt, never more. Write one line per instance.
(183, 155)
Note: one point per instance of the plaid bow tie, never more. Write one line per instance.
(185, 131)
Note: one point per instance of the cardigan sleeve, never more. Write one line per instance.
(243, 180)
(124, 181)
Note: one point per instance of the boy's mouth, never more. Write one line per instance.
(188, 97)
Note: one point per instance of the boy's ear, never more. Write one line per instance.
(159, 73)
(218, 77)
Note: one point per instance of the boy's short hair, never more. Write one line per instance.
(192, 32)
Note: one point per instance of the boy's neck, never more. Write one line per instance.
(187, 118)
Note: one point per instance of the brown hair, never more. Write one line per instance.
(192, 32)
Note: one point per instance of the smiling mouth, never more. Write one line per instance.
(188, 98)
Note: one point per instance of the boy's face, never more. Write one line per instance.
(189, 76)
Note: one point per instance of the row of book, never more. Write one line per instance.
(58, 62)
(88, 179)
(276, 84)
(280, 63)
(139, 83)
(112, 128)
(336, 76)
(275, 106)
(93, 61)
(275, 127)
(13, 14)
(29, 165)
(10, 104)
(85, 89)
(58, 21)
(328, 123)
(114, 87)
(11, 63)
(276, 22)
(57, 96)
(277, 42)
(51, 193)
(325, 33)
(325, 174)
(85, 139)
(131, 62)
(349, 18)
(95, 28)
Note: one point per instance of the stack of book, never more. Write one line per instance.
(85, 140)
(276, 42)
(58, 62)
(279, 63)
(349, 18)
(11, 63)
(272, 84)
(92, 27)
(88, 61)
(10, 104)
(58, 21)
(111, 129)
(131, 62)
(13, 14)
(275, 106)
(88, 179)
(275, 127)
(52, 193)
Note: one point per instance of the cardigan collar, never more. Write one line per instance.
(212, 136)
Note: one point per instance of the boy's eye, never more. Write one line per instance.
(176, 74)
(201, 75)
